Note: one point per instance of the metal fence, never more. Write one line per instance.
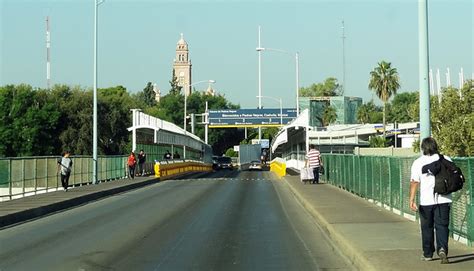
(386, 181)
(32, 175)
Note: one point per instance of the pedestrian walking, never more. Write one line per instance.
(131, 163)
(141, 163)
(176, 155)
(65, 168)
(434, 208)
(313, 160)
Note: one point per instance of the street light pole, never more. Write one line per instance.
(259, 50)
(185, 107)
(297, 83)
(297, 64)
(94, 118)
(425, 129)
(281, 106)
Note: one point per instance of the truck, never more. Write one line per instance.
(249, 153)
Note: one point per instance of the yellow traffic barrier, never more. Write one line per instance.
(278, 166)
(164, 171)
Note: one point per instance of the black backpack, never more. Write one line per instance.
(449, 178)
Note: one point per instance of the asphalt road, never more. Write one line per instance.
(228, 220)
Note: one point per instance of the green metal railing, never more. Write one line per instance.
(32, 175)
(386, 181)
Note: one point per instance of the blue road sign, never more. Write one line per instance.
(227, 118)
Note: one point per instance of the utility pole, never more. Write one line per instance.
(343, 60)
(48, 55)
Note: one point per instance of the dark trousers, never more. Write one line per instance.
(316, 175)
(434, 217)
(140, 168)
(65, 180)
(131, 172)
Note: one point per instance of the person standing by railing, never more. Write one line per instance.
(65, 168)
(141, 163)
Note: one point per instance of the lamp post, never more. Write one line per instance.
(260, 49)
(423, 60)
(281, 107)
(94, 118)
(185, 107)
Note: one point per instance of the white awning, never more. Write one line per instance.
(282, 137)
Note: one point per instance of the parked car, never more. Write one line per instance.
(224, 162)
(255, 165)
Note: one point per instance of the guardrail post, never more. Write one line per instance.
(36, 176)
(23, 176)
(10, 178)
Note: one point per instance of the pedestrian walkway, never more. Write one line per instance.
(370, 236)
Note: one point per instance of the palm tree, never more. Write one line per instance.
(385, 82)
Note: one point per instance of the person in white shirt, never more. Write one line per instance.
(434, 209)
(313, 160)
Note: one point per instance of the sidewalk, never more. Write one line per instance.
(370, 236)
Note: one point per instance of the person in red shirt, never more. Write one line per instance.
(131, 163)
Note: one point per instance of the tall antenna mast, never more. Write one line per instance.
(48, 60)
(343, 60)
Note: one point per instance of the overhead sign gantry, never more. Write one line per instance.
(250, 118)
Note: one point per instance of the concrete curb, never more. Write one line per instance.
(349, 250)
(40, 211)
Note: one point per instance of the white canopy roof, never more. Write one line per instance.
(282, 137)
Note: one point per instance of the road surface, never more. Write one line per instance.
(227, 220)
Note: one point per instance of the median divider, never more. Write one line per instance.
(278, 166)
(165, 170)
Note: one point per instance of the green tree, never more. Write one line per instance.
(403, 107)
(148, 95)
(329, 116)
(369, 113)
(330, 87)
(385, 82)
(452, 120)
(231, 153)
(114, 111)
(175, 88)
(377, 142)
(28, 121)
(76, 118)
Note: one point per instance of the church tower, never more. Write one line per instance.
(182, 65)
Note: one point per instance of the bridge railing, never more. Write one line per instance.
(386, 182)
(24, 176)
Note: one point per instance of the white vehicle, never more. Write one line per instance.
(255, 165)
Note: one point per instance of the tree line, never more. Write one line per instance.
(39, 122)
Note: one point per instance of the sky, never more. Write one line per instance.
(137, 42)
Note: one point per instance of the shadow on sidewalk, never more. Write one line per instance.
(461, 258)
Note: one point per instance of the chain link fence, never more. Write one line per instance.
(386, 182)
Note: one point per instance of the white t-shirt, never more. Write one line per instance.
(427, 181)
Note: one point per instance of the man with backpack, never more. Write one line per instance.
(434, 208)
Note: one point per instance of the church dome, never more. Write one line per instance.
(182, 44)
